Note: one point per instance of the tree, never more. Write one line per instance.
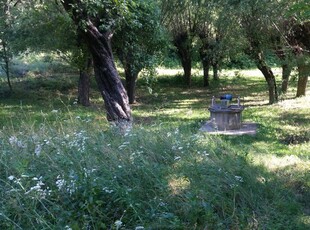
(179, 19)
(30, 36)
(213, 31)
(301, 43)
(256, 19)
(6, 21)
(298, 39)
(95, 21)
(138, 41)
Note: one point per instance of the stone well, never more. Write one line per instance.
(224, 115)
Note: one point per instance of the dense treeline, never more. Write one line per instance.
(217, 33)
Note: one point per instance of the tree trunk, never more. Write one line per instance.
(7, 72)
(303, 74)
(187, 67)
(106, 75)
(215, 71)
(286, 72)
(131, 79)
(206, 68)
(84, 84)
(108, 80)
(183, 45)
(269, 77)
(6, 66)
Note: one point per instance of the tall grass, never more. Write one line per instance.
(63, 167)
(75, 175)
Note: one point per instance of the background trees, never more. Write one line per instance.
(137, 41)
(180, 20)
(6, 21)
(214, 31)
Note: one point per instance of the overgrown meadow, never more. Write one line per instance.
(62, 166)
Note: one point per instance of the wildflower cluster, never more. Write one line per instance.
(38, 190)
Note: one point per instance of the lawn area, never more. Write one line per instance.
(63, 166)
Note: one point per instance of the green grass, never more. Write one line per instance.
(63, 166)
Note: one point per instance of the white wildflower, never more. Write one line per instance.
(38, 150)
(107, 190)
(60, 183)
(177, 158)
(11, 177)
(239, 178)
(20, 144)
(139, 228)
(13, 140)
(162, 204)
(54, 111)
(118, 224)
(39, 191)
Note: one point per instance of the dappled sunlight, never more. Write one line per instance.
(168, 72)
(273, 163)
(178, 184)
(297, 103)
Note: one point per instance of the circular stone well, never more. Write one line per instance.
(226, 118)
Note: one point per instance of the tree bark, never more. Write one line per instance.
(215, 71)
(303, 74)
(131, 79)
(106, 75)
(286, 72)
(269, 77)
(184, 51)
(206, 68)
(84, 84)
(6, 67)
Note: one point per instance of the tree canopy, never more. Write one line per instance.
(216, 31)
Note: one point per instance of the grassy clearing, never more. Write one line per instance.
(62, 166)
